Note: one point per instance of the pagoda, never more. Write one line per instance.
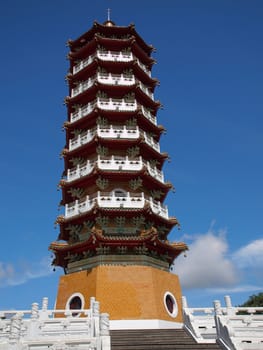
(113, 236)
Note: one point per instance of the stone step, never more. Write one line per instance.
(153, 339)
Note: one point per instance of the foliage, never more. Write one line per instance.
(254, 300)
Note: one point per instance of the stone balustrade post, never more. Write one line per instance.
(96, 317)
(43, 313)
(217, 308)
(104, 324)
(15, 327)
(229, 308)
(184, 302)
(44, 304)
(34, 311)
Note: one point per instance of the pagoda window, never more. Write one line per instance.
(75, 302)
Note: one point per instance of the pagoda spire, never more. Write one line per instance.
(108, 13)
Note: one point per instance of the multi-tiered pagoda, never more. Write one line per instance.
(113, 241)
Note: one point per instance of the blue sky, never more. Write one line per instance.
(209, 62)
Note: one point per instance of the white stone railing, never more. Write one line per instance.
(82, 112)
(115, 79)
(110, 200)
(108, 79)
(148, 115)
(228, 326)
(115, 56)
(43, 329)
(111, 104)
(83, 63)
(79, 206)
(151, 142)
(113, 163)
(146, 90)
(107, 104)
(107, 132)
(199, 322)
(81, 139)
(156, 173)
(82, 86)
(120, 163)
(80, 170)
(239, 331)
(118, 132)
(143, 67)
(158, 208)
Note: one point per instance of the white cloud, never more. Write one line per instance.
(13, 275)
(207, 264)
(250, 256)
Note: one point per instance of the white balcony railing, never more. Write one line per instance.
(143, 67)
(156, 173)
(146, 90)
(108, 104)
(111, 200)
(148, 115)
(82, 112)
(83, 63)
(120, 163)
(80, 170)
(159, 208)
(104, 78)
(115, 79)
(118, 132)
(110, 132)
(113, 163)
(111, 104)
(81, 139)
(82, 86)
(113, 56)
(79, 207)
(151, 142)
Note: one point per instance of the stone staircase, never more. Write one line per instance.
(166, 339)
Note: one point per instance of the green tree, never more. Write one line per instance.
(254, 300)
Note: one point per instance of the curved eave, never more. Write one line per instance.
(95, 211)
(150, 241)
(96, 239)
(130, 29)
(107, 30)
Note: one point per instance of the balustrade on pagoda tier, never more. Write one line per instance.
(113, 163)
(111, 200)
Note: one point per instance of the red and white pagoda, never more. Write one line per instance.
(113, 241)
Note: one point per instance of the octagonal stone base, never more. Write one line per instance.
(125, 292)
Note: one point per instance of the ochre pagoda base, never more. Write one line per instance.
(125, 292)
